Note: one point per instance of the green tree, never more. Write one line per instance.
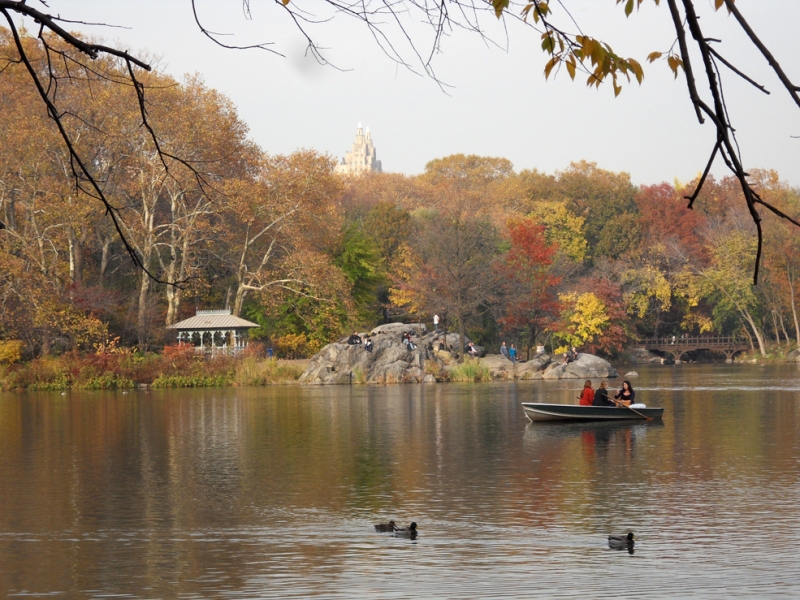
(360, 260)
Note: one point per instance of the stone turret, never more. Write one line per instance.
(362, 158)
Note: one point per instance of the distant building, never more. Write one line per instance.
(362, 158)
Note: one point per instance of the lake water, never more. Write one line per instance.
(273, 492)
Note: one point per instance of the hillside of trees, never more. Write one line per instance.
(578, 257)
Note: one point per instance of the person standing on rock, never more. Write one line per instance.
(436, 323)
(504, 350)
(512, 354)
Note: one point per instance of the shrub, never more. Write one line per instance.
(10, 351)
(191, 381)
(358, 375)
(292, 346)
(470, 370)
(106, 381)
(251, 371)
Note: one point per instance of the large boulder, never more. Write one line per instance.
(502, 368)
(398, 329)
(587, 366)
(793, 356)
(533, 368)
(389, 362)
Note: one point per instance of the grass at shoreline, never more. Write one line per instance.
(176, 367)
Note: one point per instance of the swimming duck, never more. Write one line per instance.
(621, 541)
(384, 527)
(409, 532)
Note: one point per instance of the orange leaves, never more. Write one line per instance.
(674, 61)
(601, 59)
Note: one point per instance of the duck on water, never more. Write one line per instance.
(622, 541)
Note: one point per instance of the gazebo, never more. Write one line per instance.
(214, 331)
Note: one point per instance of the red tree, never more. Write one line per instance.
(528, 302)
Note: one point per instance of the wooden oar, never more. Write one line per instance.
(632, 410)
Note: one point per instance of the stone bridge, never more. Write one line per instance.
(677, 346)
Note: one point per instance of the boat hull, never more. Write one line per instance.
(537, 411)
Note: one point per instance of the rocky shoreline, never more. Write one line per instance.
(390, 361)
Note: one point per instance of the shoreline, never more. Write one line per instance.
(68, 373)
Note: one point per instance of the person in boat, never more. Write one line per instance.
(354, 339)
(601, 396)
(626, 396)
(587, 396)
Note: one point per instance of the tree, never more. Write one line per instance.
(576, 52)
(527, 300)
(594, 317)
(273, 222)
(360, 261)
(450, 269)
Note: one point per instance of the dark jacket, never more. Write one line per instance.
(601, 398)
(354, 339)
(629, 397)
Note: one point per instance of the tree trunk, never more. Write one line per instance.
(749, 337)
(783, 327)
(141, 317)
(237, 303)
(75, 256)
(461, 336)
(790, 275)
(775, 327)
(759, 336)
(105, 256)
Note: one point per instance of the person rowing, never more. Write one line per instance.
(626, 396)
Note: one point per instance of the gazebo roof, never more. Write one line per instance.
(213, 319)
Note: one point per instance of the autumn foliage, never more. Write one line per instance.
(577, 257)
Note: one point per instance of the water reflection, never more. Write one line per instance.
(275, 492)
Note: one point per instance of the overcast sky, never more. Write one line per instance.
(499, 103)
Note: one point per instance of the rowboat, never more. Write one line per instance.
(539, 411)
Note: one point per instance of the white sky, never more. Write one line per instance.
(500, 103)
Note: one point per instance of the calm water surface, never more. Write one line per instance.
(272, 493)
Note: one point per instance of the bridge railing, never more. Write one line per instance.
(702, 341)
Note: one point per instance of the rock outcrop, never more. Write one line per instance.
(392, 362)
(389, 362)
(542, 366)
(587, 366)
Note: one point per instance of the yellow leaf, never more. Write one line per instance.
(654, 56)
(549, 66)
(629, 7)
(571, 67)
(499, 7)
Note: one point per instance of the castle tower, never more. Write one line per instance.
(362, 158)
